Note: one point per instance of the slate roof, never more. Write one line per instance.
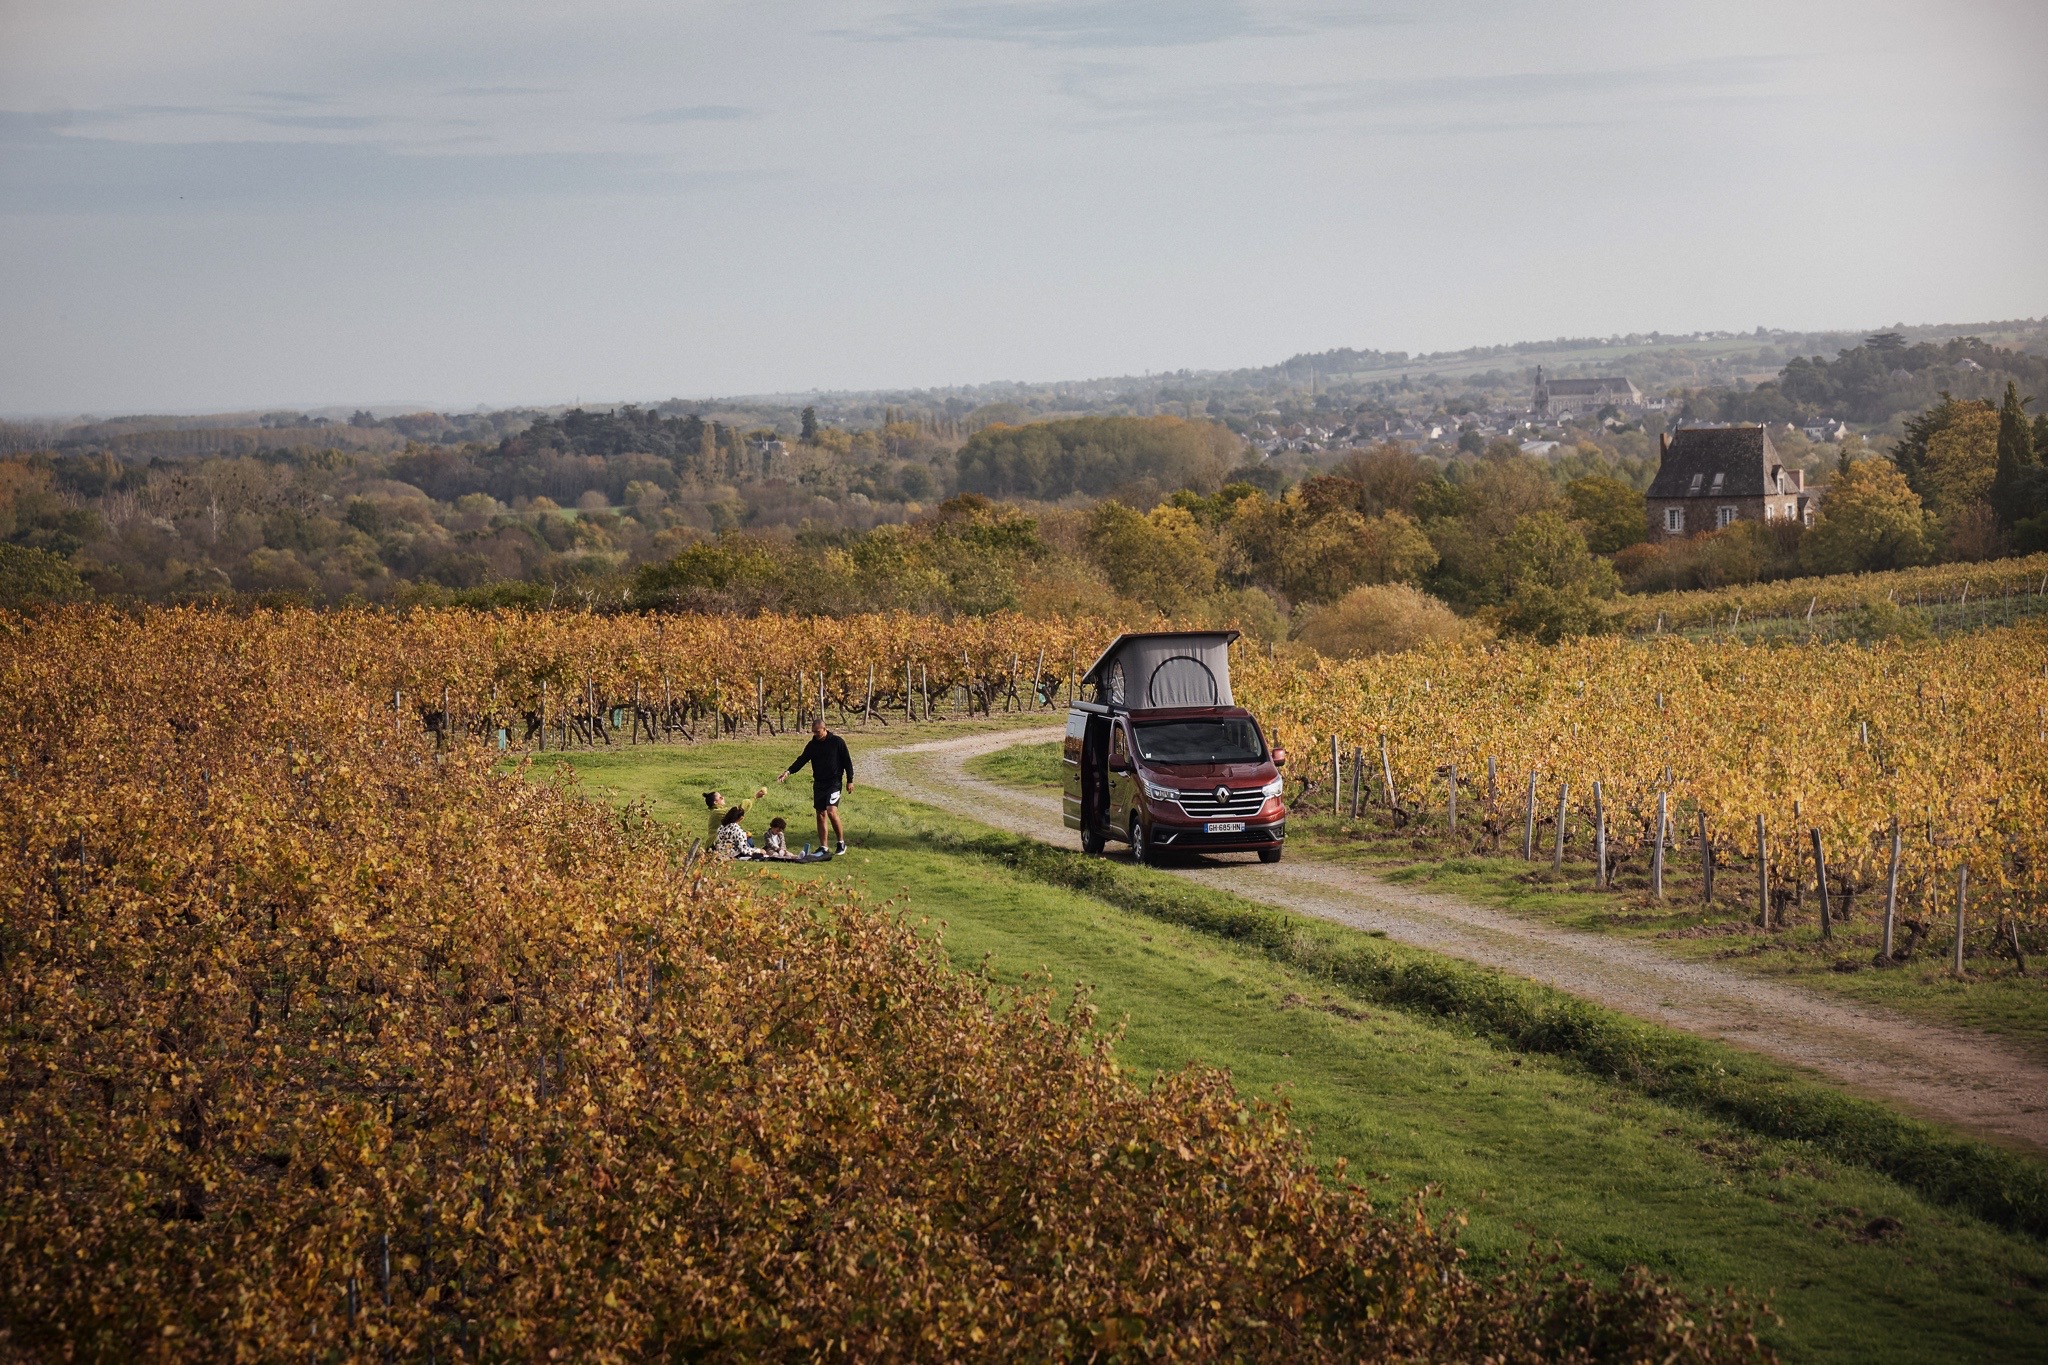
(1743, 456)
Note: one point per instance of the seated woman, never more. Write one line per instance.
(732, 840)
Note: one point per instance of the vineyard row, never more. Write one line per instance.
(1939, 584)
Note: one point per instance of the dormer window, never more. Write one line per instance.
(1697, 480)
(1717, 484)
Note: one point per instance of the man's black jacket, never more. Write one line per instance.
(829, 762)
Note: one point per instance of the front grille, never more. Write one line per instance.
(1238, 805)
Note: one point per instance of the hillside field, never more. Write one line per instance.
(1520, 1142)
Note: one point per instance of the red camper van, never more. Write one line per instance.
(1158, 755)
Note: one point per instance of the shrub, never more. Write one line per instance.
(1383, 618)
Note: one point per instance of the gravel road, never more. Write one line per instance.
(1951, 1075)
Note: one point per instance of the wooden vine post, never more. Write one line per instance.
(1564, 791)
(1451, 798)
(1357, 776)
(1657, 855)
(1599, 836)
(1336, 775)
(1763, 876)
(1820, 872)
(1962, 911)
(1529, 822)
(1706, 861)
(1891, 896)
(1387, 773)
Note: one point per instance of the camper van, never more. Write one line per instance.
(1158, 755)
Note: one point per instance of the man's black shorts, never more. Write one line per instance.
(824, 798)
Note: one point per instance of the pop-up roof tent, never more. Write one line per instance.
(1163, 668)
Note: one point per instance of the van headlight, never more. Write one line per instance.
(1161, 793)
(1273, 788)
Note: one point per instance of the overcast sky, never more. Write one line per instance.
(218, 204)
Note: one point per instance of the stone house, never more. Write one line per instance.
(1711, 477)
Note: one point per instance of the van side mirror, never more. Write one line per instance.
(1279, 758)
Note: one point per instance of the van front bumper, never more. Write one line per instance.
(1269, 834)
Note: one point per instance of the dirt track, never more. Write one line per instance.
(1951, 1075)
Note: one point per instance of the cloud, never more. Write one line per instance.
(46, 170)
(326, 122)
(1494, 102)
(696, 113)
(1106, 23)
(500, 91)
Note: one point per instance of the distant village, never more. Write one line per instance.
(1610, 400)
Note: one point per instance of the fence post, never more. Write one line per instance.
(1657, 857)
(1599, 836)
(1820, 873)
(1962, 908)
(1336, 776)
(1387, 772)
(1891, 893)
(1038, 676)
(1529, 822)
(1564, 790)
(1357, 776)
(1451, 781)
(1763, 877)
(1706, 861)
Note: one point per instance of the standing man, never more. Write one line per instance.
(830, 763)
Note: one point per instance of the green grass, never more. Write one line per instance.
(1518, 1138)
(1993, 996)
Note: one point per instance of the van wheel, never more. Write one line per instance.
(1141, 847)
(1091, 842)
(1269, 855)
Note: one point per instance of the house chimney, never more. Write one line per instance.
(1663, 444)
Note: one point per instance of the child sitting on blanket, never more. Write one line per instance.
(776, 844)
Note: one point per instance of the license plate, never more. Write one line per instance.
(1224, 827)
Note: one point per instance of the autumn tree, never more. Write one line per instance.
(1554, 586)
(2014, 483)
(1161, 559)
(1872, 519)
(1610, 513)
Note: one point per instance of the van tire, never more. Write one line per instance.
(1141, 847)
(1269, 855)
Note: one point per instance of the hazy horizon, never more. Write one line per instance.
(232, 207)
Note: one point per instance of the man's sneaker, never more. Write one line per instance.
(842, 845)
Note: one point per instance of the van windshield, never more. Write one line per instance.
(1230, 740)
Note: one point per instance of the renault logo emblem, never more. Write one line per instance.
(1222, 795)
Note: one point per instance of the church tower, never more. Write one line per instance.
(1540, 404)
